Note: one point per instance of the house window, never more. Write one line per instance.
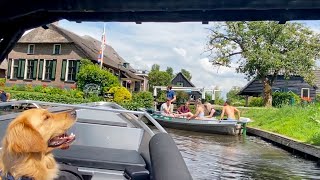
(305, 92)
(180, 84)
(72, 70)
(31, 49)
(47, 69)
(15, 69)
(57, 49)
(31, 69)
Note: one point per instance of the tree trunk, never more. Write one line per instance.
(267, 92)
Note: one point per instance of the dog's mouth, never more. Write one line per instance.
(63, 139)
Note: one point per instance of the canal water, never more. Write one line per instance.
(211, 157)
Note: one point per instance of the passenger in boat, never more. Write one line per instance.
(229, 111)
(184, 108)
(3, 96)
(198, 115)
(165, 108)
(209, 107)
(171, 95)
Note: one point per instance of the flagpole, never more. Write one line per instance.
(103, 44)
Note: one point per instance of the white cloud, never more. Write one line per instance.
(176, 45)
(182, 52)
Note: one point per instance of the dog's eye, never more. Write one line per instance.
(46, 117)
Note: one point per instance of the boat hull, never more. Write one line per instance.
(207, 126)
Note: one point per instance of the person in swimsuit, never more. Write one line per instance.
(198, 115)
(210, 109)
(229, 111)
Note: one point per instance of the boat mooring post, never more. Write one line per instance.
(244, 129)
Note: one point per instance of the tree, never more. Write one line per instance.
(186, 73)
(158, 78)
(155, 67)
(233, 96)
(92, 73)
(170, 72)
(265, 50)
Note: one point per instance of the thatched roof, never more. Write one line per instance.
(40, 35)
(87, 45)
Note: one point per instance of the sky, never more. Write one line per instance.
(176, 45)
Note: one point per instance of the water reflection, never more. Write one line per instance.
(234, 157)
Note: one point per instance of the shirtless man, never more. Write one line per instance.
(229, 111)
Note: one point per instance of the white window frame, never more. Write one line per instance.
(53, 51)
(305, 89)
(67, 69)
(25, 69)
(34, 47)
(44, 69)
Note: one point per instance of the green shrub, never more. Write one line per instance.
(74, 93)
(132, 105)
(144, 99)
(2, 82)
(37, 88)
(121, 94)
(90, 73)
(284, 98)
(256, 102)
(49, 98)
(20, 88)
(182, 97)
(29, 88)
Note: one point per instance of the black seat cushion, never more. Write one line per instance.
(102, 158)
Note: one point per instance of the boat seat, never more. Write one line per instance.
(101, 158)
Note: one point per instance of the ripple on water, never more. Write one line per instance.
(211, 156)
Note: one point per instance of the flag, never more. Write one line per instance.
(103, 44)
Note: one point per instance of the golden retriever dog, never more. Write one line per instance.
(29, 140)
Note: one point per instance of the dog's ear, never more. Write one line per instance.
(22, 138)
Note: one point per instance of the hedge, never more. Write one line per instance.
(49, 98)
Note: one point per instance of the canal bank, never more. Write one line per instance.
(299, 148)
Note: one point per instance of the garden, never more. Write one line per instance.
(89, 73)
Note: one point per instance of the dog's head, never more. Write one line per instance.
(38, 130)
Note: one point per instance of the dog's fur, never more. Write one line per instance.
(25, 150)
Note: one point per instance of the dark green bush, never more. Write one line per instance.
(92, 74)
(145, 99)
(49, 98)
(256, 102)
(284, 98)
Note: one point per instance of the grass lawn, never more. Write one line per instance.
(300, 123)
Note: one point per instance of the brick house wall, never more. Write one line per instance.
(43, 51)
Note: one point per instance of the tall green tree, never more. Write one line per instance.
(170, 72)
(158, 78)
(155, 67)
(233, 96)
(264, 50)
(186, 73)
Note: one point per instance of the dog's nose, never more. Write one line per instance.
(73, 113)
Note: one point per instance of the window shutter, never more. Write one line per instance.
(63, 69)
(53, 69)
(35, 67)
(77, 68)
(21, 68)
(40, 69)
(9, 69)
